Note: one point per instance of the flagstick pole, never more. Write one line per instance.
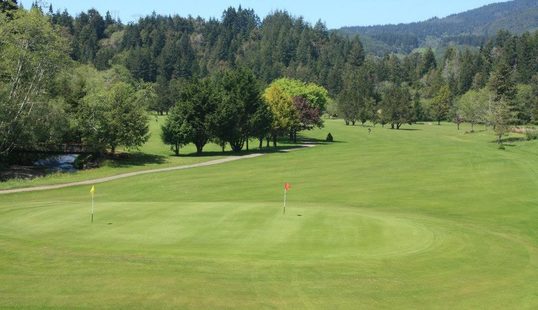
(285, 198)
(92, 208)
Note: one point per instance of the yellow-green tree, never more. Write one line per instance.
(441, 104)
(284, 114)
(295, 106)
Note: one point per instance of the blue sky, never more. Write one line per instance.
(335, 13)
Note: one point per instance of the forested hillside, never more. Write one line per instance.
(473, 28)
(169, 49)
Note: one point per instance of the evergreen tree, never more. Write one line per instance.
(198, 103)
(356, 53)
(8, 6)
(428, 62)
(396, 105)
(501, 82)
(241, 100)
(504, 90)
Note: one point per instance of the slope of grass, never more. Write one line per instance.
(424, 218)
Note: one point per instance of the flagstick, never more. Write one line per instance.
(285, 198)
(92, 208)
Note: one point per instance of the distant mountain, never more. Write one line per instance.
(468, 28)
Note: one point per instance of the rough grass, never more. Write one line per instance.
(429, 218)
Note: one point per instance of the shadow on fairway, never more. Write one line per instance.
(510, 140)
(264, 150)
(406, 129)
(315, 141)
(136, 159)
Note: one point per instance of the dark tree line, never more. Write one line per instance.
(170, 50)
(506, 68)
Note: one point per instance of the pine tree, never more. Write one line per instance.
(356, 54)
(501, 82)
(428, 62)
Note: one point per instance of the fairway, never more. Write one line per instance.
(427, 217)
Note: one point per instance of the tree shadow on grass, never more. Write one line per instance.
(135, 159)
(256, 150)
(406, 129)
(471, 132)
(509, 141)
(315, 141)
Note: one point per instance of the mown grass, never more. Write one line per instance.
(425, 218)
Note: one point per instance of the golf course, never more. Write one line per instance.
(423, 217)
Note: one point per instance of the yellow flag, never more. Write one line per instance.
(92, 191)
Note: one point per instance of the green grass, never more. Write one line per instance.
(153, 154)
(426, 218)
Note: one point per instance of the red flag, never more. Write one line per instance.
(287, 186)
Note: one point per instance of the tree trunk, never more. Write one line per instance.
(247, 144)
(398, 126)
(438, 122)
(458, 126)
(274, 141)
(261, 142)
(237, 146)
(392, 126)
(472, 127)
(176, 149)
(199, 148)
(268, 140)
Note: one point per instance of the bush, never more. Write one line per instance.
(531, 134)
(86, 162)
(329, 138)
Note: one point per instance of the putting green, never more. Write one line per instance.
(432, 218)
(256, 231)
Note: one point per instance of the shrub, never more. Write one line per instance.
(329, 138)
(531, 134)
(86, 162)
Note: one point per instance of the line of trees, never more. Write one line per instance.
(171, 50)
(230, 108)
(168, 51)
(495, 85)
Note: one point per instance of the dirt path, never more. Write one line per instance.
(136, 173)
